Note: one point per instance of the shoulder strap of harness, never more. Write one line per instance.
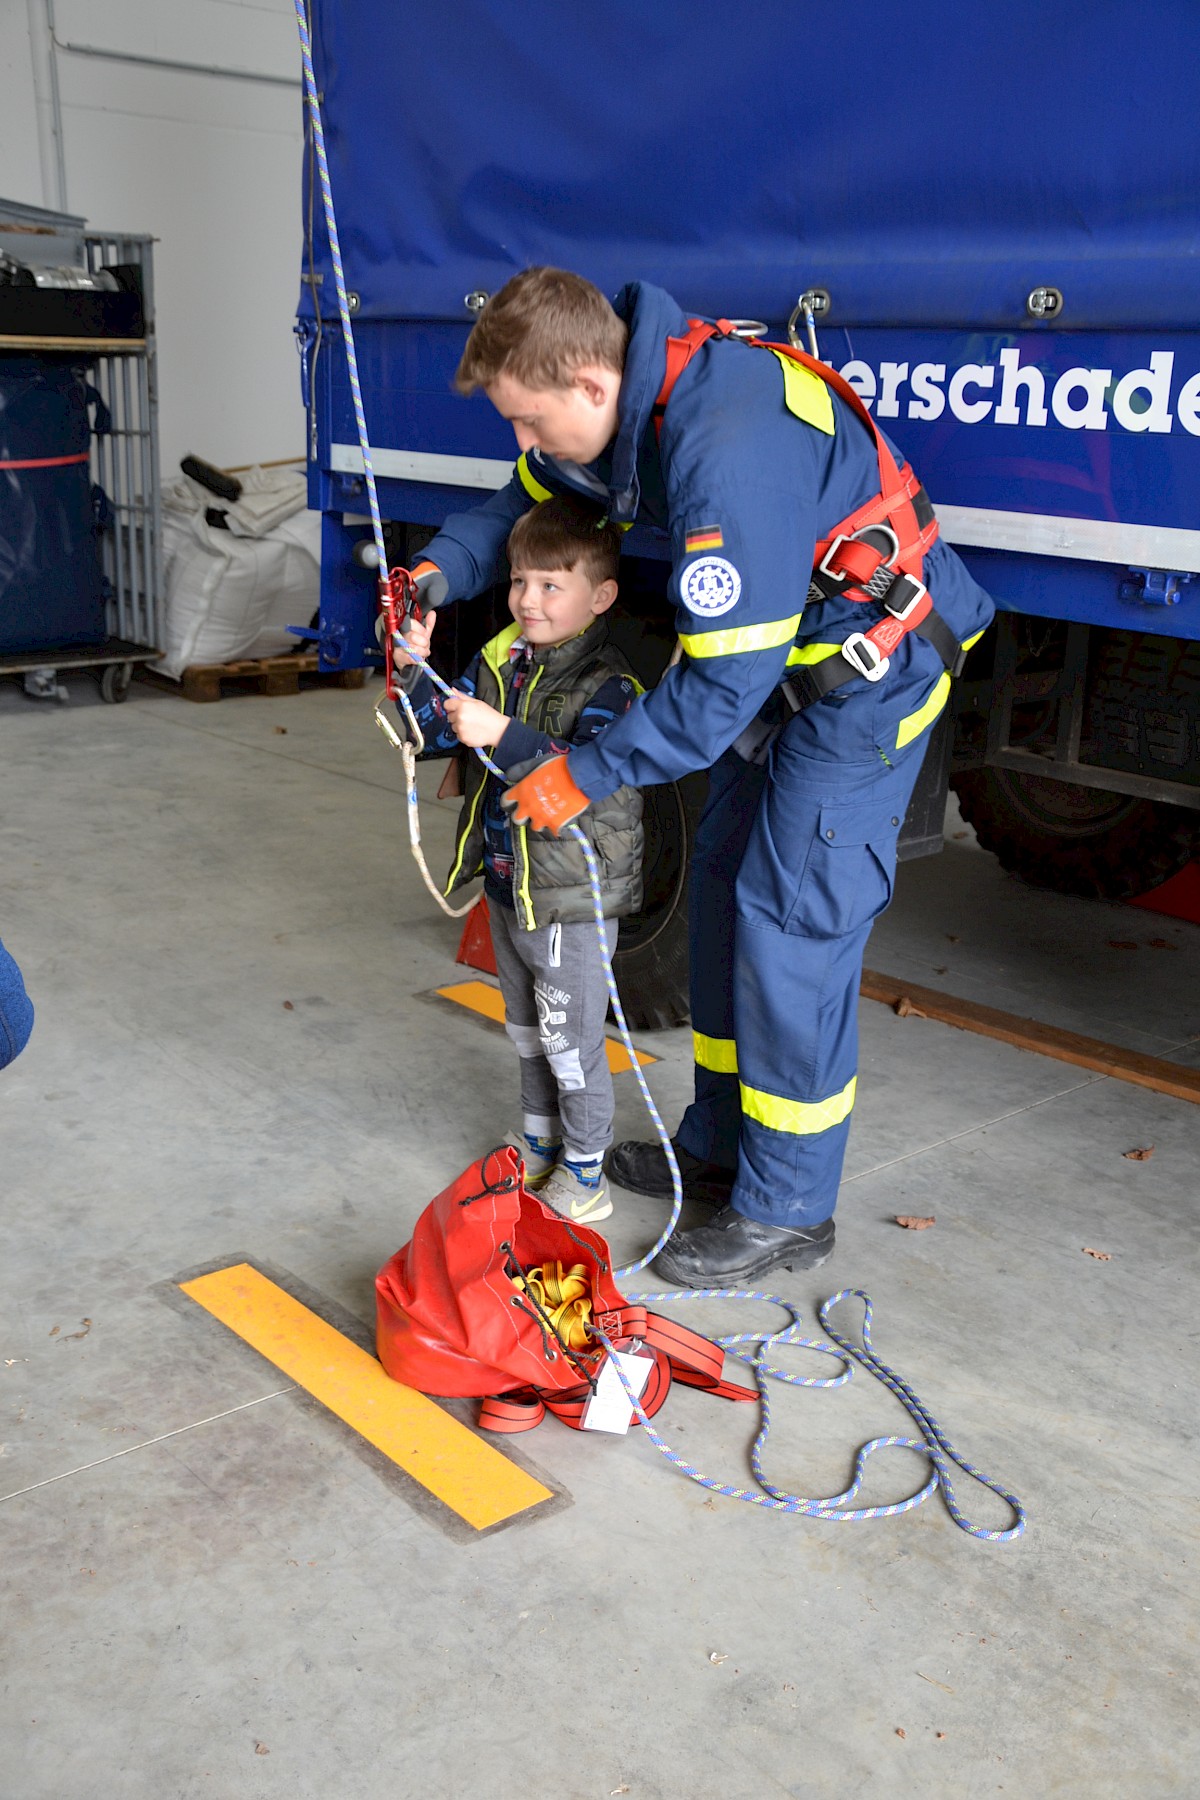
(876, 554)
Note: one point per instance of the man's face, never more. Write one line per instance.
(574, 424)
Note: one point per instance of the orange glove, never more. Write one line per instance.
(546, 798)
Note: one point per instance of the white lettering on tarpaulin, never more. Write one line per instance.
(1016, 393)
(710, 586)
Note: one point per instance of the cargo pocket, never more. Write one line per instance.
(850, 871)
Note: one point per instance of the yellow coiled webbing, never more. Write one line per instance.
(563, 1296)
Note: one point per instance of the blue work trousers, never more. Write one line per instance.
(794, 860)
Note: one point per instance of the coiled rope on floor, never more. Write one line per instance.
(932, 1443)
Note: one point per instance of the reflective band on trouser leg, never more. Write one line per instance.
(802, 1118)
(739, 639)
(529, 482)
(717, 1054)
(711, 1125)
(817, 870)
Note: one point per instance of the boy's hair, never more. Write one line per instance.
(543, 326)
(566, 534)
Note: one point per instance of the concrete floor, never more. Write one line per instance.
(210, 1592)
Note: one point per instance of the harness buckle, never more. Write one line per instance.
(866, 534)
(865, 658)
(904, 596)
(823, 567)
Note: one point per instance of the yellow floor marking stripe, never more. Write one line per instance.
(481, 997)
(469, 1476)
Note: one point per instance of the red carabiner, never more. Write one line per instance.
(398, 600)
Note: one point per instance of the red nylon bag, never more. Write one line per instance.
(448, 1318)
(450, 1322)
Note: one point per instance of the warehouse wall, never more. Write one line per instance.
(208, 164)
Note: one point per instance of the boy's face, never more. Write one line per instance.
(575, 423)
(552, 605)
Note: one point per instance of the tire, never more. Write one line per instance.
(1140, 709)
(1076, 840)
(651, 959)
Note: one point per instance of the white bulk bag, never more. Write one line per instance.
(231, 593)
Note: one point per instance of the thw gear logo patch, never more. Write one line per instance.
(710, 586)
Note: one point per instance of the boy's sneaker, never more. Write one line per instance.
(572, 1197)
(540, 1156)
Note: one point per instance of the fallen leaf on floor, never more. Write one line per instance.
(261, 1750)
(87, 1326)
(939, 1734)
(1122, 944)
(718, 1656)
(288, 1006)
(1162, 944)
(905, 1009)
(623, 1789)
(1100, 1255)
(913, 1222)
(900, 1731)
(55, 1330)
(1139, 1155)
(281, 731)
(936, 1683)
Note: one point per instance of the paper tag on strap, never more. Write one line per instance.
(609, 1408)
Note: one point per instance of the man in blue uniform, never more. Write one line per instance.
(748, 461)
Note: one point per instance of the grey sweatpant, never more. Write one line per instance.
(555, 1003)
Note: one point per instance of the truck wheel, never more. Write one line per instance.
(1076, 840)
(651, 958)
(1142, 699)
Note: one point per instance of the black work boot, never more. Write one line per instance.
(731, 1249)
(644, 1169)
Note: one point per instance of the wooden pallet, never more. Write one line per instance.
(272, 675)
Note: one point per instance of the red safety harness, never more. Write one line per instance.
(875, 555)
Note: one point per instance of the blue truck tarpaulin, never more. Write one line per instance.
(927, 165)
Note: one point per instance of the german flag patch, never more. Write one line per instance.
(705, 537)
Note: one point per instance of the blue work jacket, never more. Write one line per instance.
(753, 467)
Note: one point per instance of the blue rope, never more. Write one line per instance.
(933, 1441)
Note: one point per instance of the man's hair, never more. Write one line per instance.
(561, 533)
(541, 328)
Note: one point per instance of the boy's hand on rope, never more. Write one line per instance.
(547, 798)
(475, 723)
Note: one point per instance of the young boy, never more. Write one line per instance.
(551, 681)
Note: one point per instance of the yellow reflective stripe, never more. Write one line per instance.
(464, 837)
(740, 638)
(969, 643)
(495, 655)
(717, 1054)
(916, 722)
(530, 483)
(802, 1118)
(806, 395)
(521, 832)
(495, 651)
(811, 653)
